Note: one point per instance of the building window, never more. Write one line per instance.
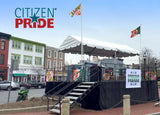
(49, 64)
(16, 57)
(3, 44)
(16, 44)
(49, 54)
(2, 59)
(38, 60)
(55, 55)
(60, 65)
(27, 60)
(28, 47)
(60, 55)
(55, 65)
(39, 49)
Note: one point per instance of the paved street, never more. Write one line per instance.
(14, 94)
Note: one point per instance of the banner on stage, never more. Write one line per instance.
(49, 76)
(133, 78)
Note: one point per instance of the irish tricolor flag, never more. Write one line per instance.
(135, 32)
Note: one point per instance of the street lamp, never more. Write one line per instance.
(144, 57)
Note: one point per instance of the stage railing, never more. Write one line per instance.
(102, 74)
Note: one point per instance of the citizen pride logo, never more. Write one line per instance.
(34, 17)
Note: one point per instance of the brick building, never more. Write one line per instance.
(54, 63)
(4, 48)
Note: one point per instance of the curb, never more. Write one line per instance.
(26, 109)
(154, 113)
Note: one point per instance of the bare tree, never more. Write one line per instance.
(38, 70)
(148, 56)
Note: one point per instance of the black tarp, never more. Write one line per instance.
(52, 87)
(109, 93)
(95, 73)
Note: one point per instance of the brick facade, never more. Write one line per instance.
(53, 58)
(4, 48)
(54, 61)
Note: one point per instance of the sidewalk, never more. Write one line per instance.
(140, 109)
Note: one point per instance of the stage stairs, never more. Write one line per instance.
(75, 95)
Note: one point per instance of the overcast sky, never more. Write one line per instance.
(105, 20)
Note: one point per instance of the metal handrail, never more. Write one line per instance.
(55, 87)
(65, 87)
(85, 94)
(62, 96)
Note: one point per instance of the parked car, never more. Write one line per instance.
(37, 84)
(9, 85)
(25, 84)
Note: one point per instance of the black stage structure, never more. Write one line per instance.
(105, 94)
(92, 92)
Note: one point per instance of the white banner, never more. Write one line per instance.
(133, 78)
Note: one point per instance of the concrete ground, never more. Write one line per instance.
(140, 109)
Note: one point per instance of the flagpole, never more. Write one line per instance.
(81, 37)
(82, 50)
(140, 49)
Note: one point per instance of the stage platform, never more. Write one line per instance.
(109, 93)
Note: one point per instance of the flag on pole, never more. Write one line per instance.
(77, 11)
(135, 32)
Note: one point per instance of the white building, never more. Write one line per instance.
(30, 56)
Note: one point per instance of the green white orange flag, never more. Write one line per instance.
(136, 31)
(77, 11)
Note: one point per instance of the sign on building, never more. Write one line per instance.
(133, 78)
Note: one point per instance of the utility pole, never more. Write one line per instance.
(10, 78)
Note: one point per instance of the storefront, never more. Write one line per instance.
(33, 75)
(19, 77)
(28, 75)
(3, 74)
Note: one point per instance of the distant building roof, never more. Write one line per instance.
(25, 40)
(52, 48)
(5, 36)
